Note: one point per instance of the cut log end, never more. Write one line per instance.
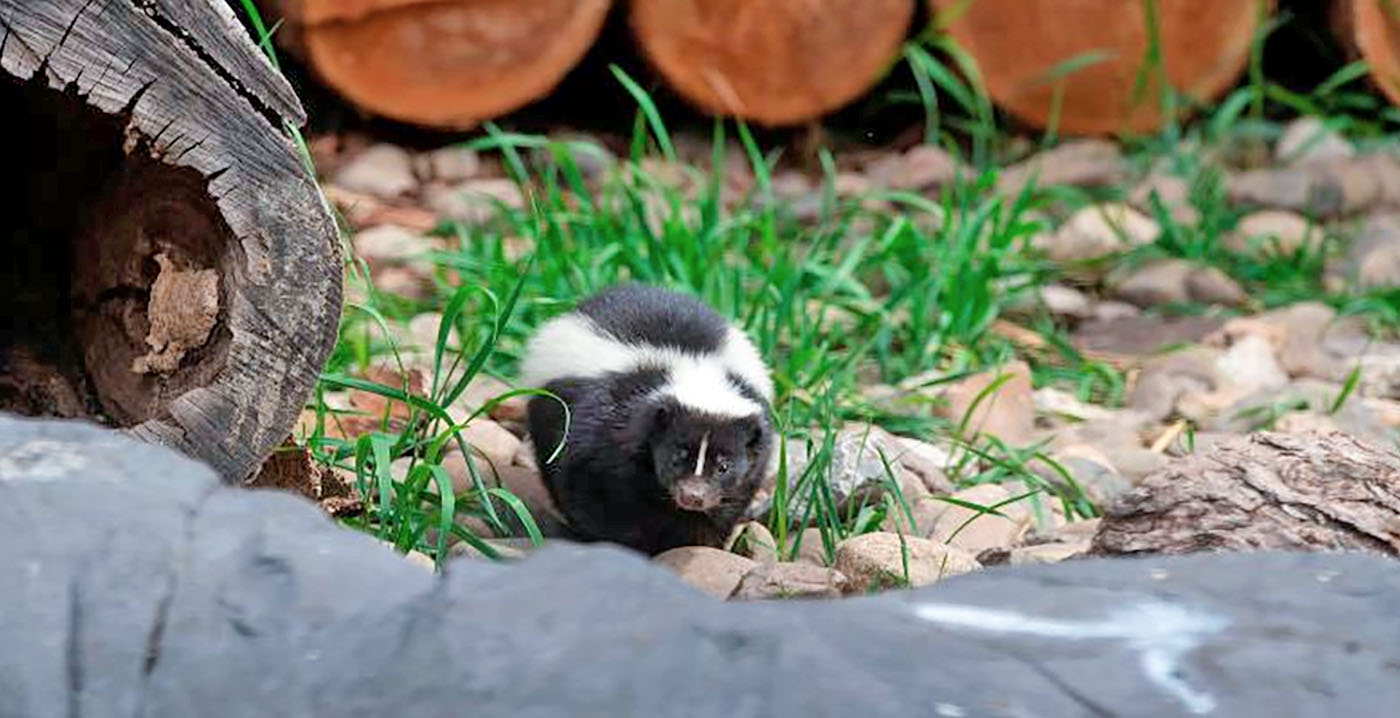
(447, 64)
(1375, 28)
(1076, 63)
(119, 295)
(773, 62)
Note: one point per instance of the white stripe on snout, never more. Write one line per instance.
(700, 460)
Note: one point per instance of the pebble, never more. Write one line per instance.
(1156, 283)
(1308, 140)
(452, 163)
(876, 560)
(921, 167)
(1373, 259)
(753, 540)
(473, 201)
(384, 171)
(1047, 553)
(1076, 163)
(708, 569)
(1007, 413)
(492, 441)
(1096, 231)
(1272, 231)
(388, 243)
(774, 581)
(974, 531)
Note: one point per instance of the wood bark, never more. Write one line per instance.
(447, 64)
(179, 271)
(773, 62)
(1089, 54)
(1303, 492)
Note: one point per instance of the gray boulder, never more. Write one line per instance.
(134, 585)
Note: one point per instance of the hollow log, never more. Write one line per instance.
(773, 62)
(1090, 52)
(1290, 492)
(447, 64)
(178, 273)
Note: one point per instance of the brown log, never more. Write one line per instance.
(1299, 492)
(1018, 43)
(172, 267)
(447, 64)
(1371, 29)
(773, 62)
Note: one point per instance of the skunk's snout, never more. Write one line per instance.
(695, 494)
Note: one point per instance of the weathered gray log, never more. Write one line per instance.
(127, 593)
(179, 274)
(1299, 492)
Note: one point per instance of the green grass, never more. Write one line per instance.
(875, 290)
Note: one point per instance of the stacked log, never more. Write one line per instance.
(447, 64)
(1019, 44)
(773, 62)
(178, 273)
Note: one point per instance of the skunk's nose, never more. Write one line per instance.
(695, 494)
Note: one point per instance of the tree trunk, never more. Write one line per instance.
(774, 62)
(1264, 492)
(174, 269)
(1090, 53)
(447, 64)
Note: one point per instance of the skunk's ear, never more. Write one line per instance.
(754, 427)
(662, 416)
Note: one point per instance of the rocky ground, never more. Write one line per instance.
(1202, 359)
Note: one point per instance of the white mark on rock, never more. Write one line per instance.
(1159, 574)
(949, 710)
(1160, 633)
(42, 460)
(1327, 576)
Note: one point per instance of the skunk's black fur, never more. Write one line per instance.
(651, 378)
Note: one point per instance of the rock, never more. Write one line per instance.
(1373, 259)
(770, 581)
(1142, 335)
(474, 201)
(1156, 283)
(589, 153)
(490, 440)
(711, 570)
(924, 513)
(1059, 403)
(1249, 366)
(1268, 491)
(506, 549)
(1077, 163)
(920, 168)
(384, 171)
(1285, 189)
(1164, 380)
(1091, 470)
(390, 244)
(449, 164)
(1272, 231)
(1210, 285)
(811, 550)
(1308, 140)
(1324, 188)
(1007, 413)
(1110, 310)
(1047, 553)
(1308, 338)
(877, 560)
(1097, 231)
(1021, 640)
(926, 461)
(1057, 299)
(974, 531)
(1174, 193)
(753, 540)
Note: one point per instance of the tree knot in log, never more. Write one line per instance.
(183, 309)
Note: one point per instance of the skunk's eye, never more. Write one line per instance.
(722, 465)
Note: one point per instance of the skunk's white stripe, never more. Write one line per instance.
(700, 458)
(572, 346)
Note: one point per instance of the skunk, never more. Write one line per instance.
(667, 435)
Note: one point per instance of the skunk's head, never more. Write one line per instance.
(706, 461)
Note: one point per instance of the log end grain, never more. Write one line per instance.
(773, 62)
